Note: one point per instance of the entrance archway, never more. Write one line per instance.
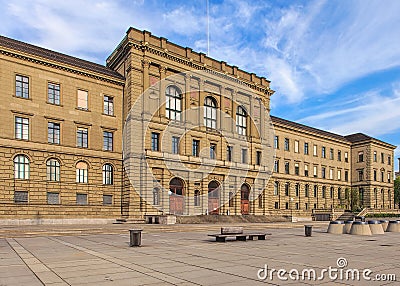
(176, 199)
(244, 198)
(213, 197)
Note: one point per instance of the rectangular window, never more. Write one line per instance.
(382, 176)
(175, 145)
(389, 179)
(53, 198)
(213, 150)
(276, 205)
(108, 140)
(315, 150)
(276, 166)
(360, 156)
(375, 176)
(339, 175)
(229, 153)
(306, 170)
(258, 158)
(297, 190)
(382, 158)
(331, 154)
(53, 133)
(82, 99)
(296, 146)
(346, 157)
(53, 93)
(286, 167)
(323, 172)
(276, 142)
(331, 174)
(315, 173)
(346, 176)
(155, 141)
(287, 189)
(360, 175)
(323, 152)
(389, 160)
(315, 191)
(82, 137)
(108, 103)
(375, 157)
(244, 156)
(195, 147)
(286, 144)
(306, 191)
(81, 199)
(276, 188)
(107, 200)
(306, 206)
(296, 169)
(21, 197)
(21, 86)
(339, 155)
(305, 148)
(21, 128)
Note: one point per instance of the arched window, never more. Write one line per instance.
(108, 173)
(21, 167)
(53, 170)
(81, 172)
(210, 112)
(173, 104)
(156, 196)
(196, 198)
(241, 120)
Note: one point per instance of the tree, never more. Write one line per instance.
(397, 191)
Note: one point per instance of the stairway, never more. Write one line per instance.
(346, 216)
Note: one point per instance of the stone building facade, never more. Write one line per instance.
(163, 129)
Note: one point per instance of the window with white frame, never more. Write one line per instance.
(81, 172)
(108, 174)
(241, 120)
(108, 105)
(210, 112)
(53, 170)
(21, 128)
(173, 104)
(22, 86)
(53, 133)
(21, 167)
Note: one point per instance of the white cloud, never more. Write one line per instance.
(376, 114)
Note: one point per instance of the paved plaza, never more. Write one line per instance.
(184, 255)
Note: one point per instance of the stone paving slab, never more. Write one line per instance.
(169, 257)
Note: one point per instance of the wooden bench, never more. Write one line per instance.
(238, 233)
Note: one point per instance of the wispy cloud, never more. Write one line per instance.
(376, 114)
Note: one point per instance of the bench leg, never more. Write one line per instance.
(261, 237)
(220, 239)
(241, 238)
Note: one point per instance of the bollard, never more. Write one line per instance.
(135, 237)
(360, 228)
(347, 226)
(336, 227)
(376, 227)
(385, 224)
(393, 226)
(308, 230)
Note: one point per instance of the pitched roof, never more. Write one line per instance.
(56, 56)
(307, 128)
(358, 137)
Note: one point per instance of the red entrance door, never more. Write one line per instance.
(244, 199)
(213, 197)
(176, 199)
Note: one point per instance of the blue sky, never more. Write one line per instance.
(334, 64)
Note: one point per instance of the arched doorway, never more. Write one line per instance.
(244, 198)
(213, 197)
(176, 199)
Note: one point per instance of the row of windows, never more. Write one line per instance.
(173, 109)
(53, 95)
(155, 146)
(22, 170)
(341, 194)
(53, 198)
(375, 157)
(324, 172)
(53, 134)
(315, 149)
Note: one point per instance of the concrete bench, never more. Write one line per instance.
(238, 233)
